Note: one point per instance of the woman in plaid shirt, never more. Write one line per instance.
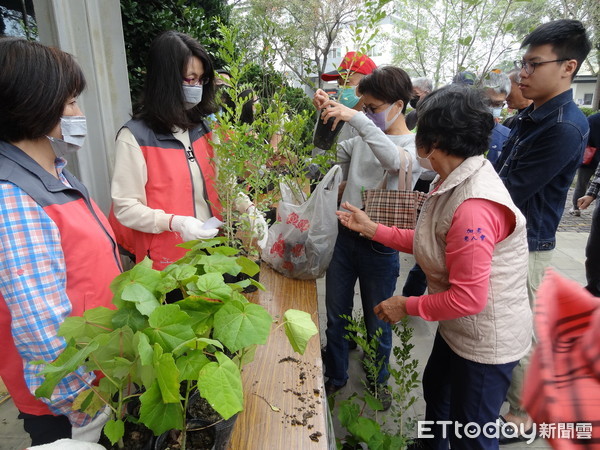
(46, 214)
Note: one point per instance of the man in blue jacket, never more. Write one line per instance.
(541, 155)
(592, 249)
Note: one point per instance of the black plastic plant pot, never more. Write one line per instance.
(137, 437)
(198, 437)
(324, 136)
(240, 277)
(202, 415)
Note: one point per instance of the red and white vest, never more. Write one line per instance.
(90, 254)
(169, 188)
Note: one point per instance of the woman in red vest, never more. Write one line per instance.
(46, 274)
(163, 186)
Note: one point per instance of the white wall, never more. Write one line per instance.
(580, 89)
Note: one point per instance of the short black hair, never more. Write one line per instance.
(568, 38)
(36, 82)
(389, 84)
(455, 119)
(162, 105)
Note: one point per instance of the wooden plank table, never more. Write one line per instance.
(284, 399)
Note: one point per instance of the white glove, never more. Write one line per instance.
(91, 432)
(191, 228)
(258, 226)
(68, 444)
(242, 202)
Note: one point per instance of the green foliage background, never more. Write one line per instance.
(144, 20)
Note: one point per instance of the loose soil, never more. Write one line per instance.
(196, 440)
(308, 397)
(137, 437)
(199, 408)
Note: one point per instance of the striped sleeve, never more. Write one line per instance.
(33, 284)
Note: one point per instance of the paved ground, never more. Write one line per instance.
(568, 260)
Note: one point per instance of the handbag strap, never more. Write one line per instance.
(405, 180)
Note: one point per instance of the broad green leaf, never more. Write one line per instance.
(364, 428)
(107, 388)
(83, 329)
(142, 297)
(238, 296)
(100, 316)
(299, 328)
(166, 284)
(248, 266)
(167, 376)
(142, 343)
(220, 383)
(201, 312)
(190, 364)
(202, 243)
(180, 272)
(88, 402)
(68, 361)
(246, 356)
(141, 273)
(239, 325)
(128, 315)
(348, 412)
(121, 368)
(212, 342)
(257, 284)
(74, 328)
(169, 327)
(146, 374)
(373, 402)
(220, 263)
(119, 343)
(159, 416)
(379, 441)
(114, 430)
(212, 286)
(224, 250)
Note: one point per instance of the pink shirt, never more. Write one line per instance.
(476, 227)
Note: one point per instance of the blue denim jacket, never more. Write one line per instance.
(538, 164)
(498, 138)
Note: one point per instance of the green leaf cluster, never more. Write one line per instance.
(153, 354)
(256, 154)
(358, 415)
(144, 20)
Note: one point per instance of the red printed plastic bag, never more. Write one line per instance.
(301, 242)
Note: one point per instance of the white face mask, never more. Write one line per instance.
(425, 163)
(192, 95)
(496, 112)
(388, 123)
(74, 131)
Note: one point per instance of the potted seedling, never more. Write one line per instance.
(154, 356)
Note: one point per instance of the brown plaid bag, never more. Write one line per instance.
(395, 208)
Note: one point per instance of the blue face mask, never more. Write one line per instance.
(347, 96)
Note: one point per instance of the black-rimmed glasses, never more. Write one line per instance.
(530, 66)
(196, 81)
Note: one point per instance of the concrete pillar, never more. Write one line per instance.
(91, 30)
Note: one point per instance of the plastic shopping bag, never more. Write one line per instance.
(301, 242)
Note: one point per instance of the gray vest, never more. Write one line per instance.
(501, 333)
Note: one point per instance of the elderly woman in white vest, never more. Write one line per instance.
(470, 240)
